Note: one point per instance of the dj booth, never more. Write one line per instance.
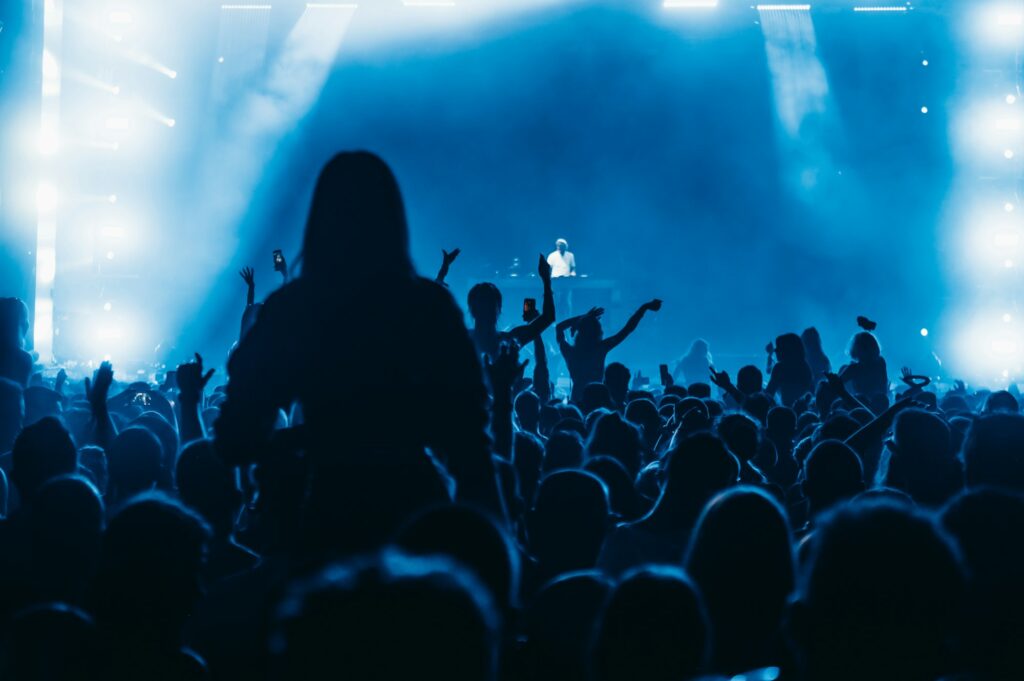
(573, 295)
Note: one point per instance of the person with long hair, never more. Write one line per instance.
(348, 333)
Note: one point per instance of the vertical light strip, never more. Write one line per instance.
(46, 192)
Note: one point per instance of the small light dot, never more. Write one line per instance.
(924, 332)
(107, 306)
(1007, 318)
(1008, 207)
(116, 90)
(112, 198)
(924, 109)
(1008, 153)
(220, 60)
(924, 62)
(1010, 99)
(110, 255)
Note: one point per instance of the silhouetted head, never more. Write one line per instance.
(617, 377)
(623, 498)
(653, 627)
(568, 521)
(741, 558)
(789, 348)
(149, 573)
(559, 626)
(42, 451)
(13, 322)
(881, 596)
(741, 435)
(619, 439)
(589, 331)
(921, 460)
(1001, 401)
(596, 396)
(993, 452)
(812, 341)
(832, 473)
(700, 390)
(134, 462)
(51, 641)
(527, 410)
(697, 468)
(562, 450)
(207, 485)
(562, 245)
(750, 380)
(699, 348)
(473, 540)
(781, 424)
(527, 458)
(985, 523)
(392, 617)
(66, 522)
(357, 209)
(484, 301)
(864, 347)
(758, 405)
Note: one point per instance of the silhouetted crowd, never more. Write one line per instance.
(378, 492)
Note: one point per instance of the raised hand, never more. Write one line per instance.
(651, 306)
(543, 268)
(594, 312)
(448, 258)
(191, 380)
(96, 390)
(505, 369)
(62, 378)
(770, 348)
(720, 378)
(248, 276)
(959, 387)
(835, 383)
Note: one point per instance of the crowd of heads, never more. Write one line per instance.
(376, 491)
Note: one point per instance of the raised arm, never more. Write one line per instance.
(446, 262)
(528, 332)
(634, 321)
(96, 391)
(249, 277)
(722, 380)
(572, 323)
(191, 383)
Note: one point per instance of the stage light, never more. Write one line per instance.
(924, 109)
(924, 62)
(220, 60)
(1007, 124)
(1008, 264)
(1007, 318)
(46, 198)
(107, 306)
(1008, 207)
(120, 17)
(421, 3)
(1008, 154)
(1005, 240)
(924, 332)
(118, 123)
(46, 266)
(112, 198)
(889, 8)
(1010, 99)
(170, 122)
(116, 90)
(110, 255)
(48, 141)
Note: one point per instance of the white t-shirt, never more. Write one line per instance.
(561, 265)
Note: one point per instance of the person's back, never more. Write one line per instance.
(344, 337)
(15, 363)
(791, 377)
(881, 597)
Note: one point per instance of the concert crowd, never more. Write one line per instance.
(379, 490)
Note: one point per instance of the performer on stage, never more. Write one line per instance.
(562, 261)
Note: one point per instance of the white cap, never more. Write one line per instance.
(562, 242)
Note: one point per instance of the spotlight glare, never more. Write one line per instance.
(924, 109)
(1010, 99)
(1007, 318)
(46, 197)
(924, 62)
(1008, 207)
(1008, 154)
(120, 17)
(110, 255)
(924, 332)
(107, 306)
(48, 142)
(112, 198)
(1006, 240)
